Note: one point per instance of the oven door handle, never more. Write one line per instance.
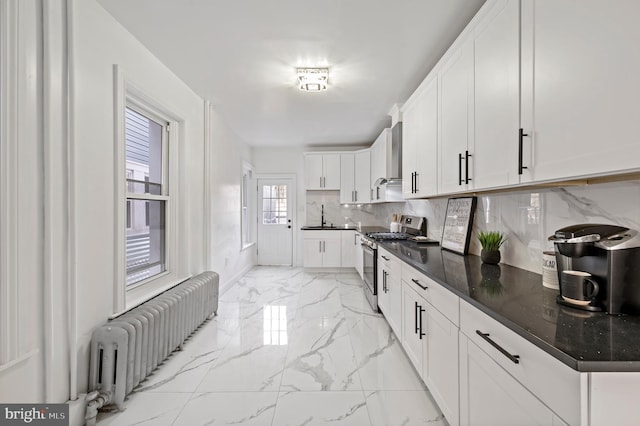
(367, 248)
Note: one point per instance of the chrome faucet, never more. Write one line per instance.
(323, 222)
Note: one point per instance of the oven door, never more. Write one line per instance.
(369, 267)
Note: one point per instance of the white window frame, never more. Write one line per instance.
(134, 105)
(176, 253)
(246, 209)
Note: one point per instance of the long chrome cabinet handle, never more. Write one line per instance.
(513, 358)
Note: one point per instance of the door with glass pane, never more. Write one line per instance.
(275, 221)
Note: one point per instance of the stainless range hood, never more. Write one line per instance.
(394, 173)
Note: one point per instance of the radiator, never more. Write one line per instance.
(128, 348)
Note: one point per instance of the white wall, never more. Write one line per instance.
(66, 177)
(99, 43)
(227, 152)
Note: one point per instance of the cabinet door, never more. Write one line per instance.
(348, 252)
(419, 155)
(456, 121)
(362, 161)
(582, 107)
(359, 259)
(490, 396)
(394, 287)
(347, 178)
(412, 325)
(313, 171)
(440, 363)
(426, 180)
(379, 160)
(312, 253)
(331, 171)
(497, 96)
(410, 134)
(332, 251)
(383, 293)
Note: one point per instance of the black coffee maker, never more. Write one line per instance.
(611, 254)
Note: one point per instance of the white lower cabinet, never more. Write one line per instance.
(505, 379)
(359, 256)
(430, 340)
(482, 373)
(440, 363)
(491, 396)
(349, 244)
(389, 290)
(413, 315)
(322, 249)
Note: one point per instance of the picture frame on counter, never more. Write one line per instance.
(458, 223)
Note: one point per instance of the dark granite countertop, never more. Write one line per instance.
(516, 298)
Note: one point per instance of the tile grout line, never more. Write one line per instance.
(364, 396)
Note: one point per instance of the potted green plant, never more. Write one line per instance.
(491, 242)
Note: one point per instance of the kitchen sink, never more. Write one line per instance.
(318, 227)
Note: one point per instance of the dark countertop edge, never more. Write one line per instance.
(573, 363)
(608, 366)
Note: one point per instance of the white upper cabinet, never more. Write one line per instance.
(581, 68)
(355, 176)
(362, 160)
(380, 160)
(497, 96)
(456, 147)
(322, 171)
(347, 178)
(420, 142)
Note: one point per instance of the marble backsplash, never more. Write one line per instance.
(527, 218)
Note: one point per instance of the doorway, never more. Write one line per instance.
(276, 202)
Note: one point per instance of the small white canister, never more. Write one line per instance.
(549, 271)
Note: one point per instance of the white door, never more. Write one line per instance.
(275, 221)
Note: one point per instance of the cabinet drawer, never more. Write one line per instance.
(392, 264)
(438, 296)
(555, 384)
(321, 235)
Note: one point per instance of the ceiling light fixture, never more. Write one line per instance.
(313, 79)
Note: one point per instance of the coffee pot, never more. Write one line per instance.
(606, 257)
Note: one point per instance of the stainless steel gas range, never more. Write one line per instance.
(411, 227)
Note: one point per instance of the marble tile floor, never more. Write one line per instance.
(288, 347)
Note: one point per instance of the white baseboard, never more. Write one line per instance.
(224, 287)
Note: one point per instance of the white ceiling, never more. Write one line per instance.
(241, 55)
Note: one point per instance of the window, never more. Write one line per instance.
(247, 175)
(274, 204)
(147, 194)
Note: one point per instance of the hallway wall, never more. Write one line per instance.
(67, 188)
